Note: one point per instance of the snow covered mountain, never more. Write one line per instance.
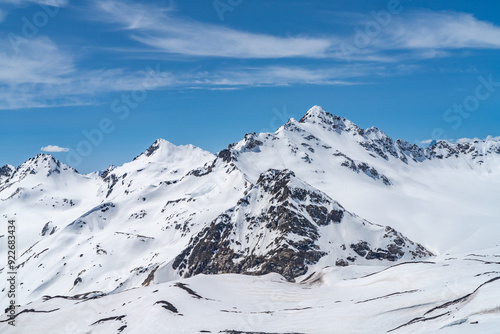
(319, 201)
(284, 226)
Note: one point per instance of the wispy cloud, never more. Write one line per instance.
(285, 75)
(84, 87)
(54, 3)
(415, 34)
(40, 74)
(419, 35)
(161, 29)
(441, 30)
(54, 149)
(38, 61)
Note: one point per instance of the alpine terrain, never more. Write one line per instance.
(319, 227)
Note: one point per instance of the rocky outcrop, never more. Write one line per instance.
(284, 225)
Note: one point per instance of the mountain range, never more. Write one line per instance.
(321, 215)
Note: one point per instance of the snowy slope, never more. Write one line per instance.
(45, 194)
(116, 229)
(446, 295)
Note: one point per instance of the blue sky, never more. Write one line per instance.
(100, 80)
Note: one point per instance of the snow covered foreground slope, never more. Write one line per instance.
(446, 295)
(284, 202)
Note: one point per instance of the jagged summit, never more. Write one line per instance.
(377, 141)
(315, 112)
(317, 115)
(38, 176)
(42, 163)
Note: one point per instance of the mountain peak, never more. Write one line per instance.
(41, 159)
(315, 112)
(375, 133)
(157, 145)
(163, 146)
(166, 147)
(317, 115)
(42, 163)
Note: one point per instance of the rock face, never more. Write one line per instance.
(284, 225)
(6, 171)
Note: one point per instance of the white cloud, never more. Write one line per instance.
(419, 35)
(85, 87)
(285, 75)
(427, 141)
(54, 149)
(54, 3)
(415, 34)
(442, 30)
(37, 61)
(40, 74)
(160, 29)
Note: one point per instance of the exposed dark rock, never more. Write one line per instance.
(6, 171)
(185, 287)
(251, 142)
(168, 306)
(153, 148)
(150, 277)
(46, 228)
(225, 155)
(117, 318)
(138, 215)
(363, 167)
(112, 180)
(393, 251)
(361, 248)
(341, 263)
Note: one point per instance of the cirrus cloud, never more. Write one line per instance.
(158, 28)
(53, 3)
(417, 34)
